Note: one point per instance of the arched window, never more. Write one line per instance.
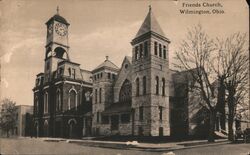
(156, 85)
(125, 92)
(72, 99)
(100, 95)
(144, 85)
(58, 100)
(46, 104)
(137, 86)
(160, 50)
(163, 86)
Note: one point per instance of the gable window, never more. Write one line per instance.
(164, 52)
(125, 92)
(141, 50)
(160, 112)
(137, 86)
(156, 85)
(155, 48)
(160, 50)
(140, 113)
(163, 86)
(136, 53)
(145, 48)
(144, 85)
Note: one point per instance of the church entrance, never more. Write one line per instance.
(114, 122)
(72, 128)
(46, 129)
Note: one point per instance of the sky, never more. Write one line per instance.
(97, 28)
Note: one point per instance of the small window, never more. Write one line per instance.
(137, 86)
(109, 76)
(141, 50)
(100, 95)
(98, 76)
(136, 52)
(144, 85)
(141, 113)
(113, 76)
(69, 71)
(160, 50)
(73, 73)
(125, 118)
(105, 119)
(97, 117)
(164, 52)
(156, 52)
(96, 95)
(145, 49)
(126, 66)
(157, 85)
(160, 112)
(101, 75)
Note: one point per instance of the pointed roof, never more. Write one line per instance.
(150, 24)
(58, 18)
(107, 63)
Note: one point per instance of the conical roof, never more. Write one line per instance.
(150, 24)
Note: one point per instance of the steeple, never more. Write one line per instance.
(150, 24)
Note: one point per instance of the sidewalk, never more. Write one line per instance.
(170, 146)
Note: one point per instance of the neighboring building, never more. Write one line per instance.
(143, 97)
(22, 124)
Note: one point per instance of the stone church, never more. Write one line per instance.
(143, 97)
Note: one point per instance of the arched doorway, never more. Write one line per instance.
(36, 128)
(72, 128)
(46, 129)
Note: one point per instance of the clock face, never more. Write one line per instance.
(61, 29)
(50, 29)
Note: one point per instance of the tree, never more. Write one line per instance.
(8, 115)
(195, 52)
(231, 68)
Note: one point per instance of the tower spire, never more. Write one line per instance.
(149, 8)
(57, 10)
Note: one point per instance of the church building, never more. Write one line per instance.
(143, 97)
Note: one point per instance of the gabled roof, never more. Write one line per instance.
(150, 24)
(107, 63)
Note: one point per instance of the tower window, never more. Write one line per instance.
(100, 95)
(156, 52)
(145, 48)
(141, 50)
(72, 99)
(101, 75)
(69, 71)
(163, 86)
(137, 86)
(141, 113)
(160, 112)
(144, 85)
(160, 50)
(58, 100)
(164, 52)
(136, 53)
(157, 85)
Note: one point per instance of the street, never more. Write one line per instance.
(38, 146)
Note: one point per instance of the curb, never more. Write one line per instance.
(141, 148)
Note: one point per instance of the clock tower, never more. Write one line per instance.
(57, 48)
